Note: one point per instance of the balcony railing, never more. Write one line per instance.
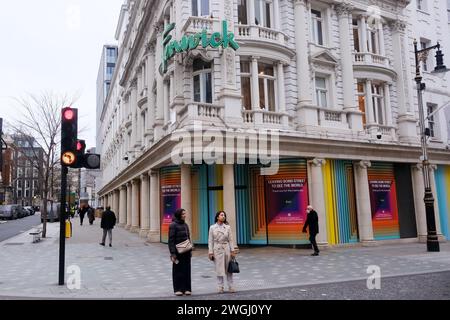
(263, 33)
(371, 58)
(262, 117)
(386, 131)
(202, 112)
(332, 118)
(198, 24)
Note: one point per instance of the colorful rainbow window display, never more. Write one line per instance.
(443, 198)
(170, 198)
(340, 202)
(383, 200)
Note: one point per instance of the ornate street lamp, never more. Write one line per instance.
(421, 56)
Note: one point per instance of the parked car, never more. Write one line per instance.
(12, 211)
(30, 210)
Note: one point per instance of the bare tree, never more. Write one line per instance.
(40, 121)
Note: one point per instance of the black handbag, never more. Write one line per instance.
(233, 266)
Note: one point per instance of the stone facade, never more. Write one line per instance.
(334, 78)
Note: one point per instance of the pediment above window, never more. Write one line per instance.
(324, 58)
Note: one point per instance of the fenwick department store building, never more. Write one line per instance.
(261, 107)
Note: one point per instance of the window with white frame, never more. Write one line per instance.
(200, 8)
(356, 41)
(202, 76)
(321, 84)
(373, 39)
(263, 13)
(361, 93)
(378, 104)
(267, 89)
(242, 12)
(427, 64)
(422, 5)
(246, 85)
(432, 124)
(317, 27)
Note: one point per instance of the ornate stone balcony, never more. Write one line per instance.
(387, 132)
(332, 118)
(265, 119)
(370, 62)
(198, 24)
(246, 32)
(205, 112)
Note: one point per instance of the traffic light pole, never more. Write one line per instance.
(62, 225)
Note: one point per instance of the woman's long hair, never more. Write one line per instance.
(177, 215)
(217, 216)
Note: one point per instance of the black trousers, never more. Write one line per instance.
(181, 273)
(82, 218)
(312, 239)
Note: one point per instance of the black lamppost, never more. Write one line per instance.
(421, 55)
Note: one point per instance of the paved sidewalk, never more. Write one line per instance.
(133, 268)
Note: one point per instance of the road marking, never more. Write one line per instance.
(2, 222)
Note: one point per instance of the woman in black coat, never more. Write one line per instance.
(181, 263)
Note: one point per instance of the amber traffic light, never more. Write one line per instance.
(69, 132)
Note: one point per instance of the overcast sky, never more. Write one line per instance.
(54, 45)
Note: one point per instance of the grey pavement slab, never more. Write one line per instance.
(133, 268)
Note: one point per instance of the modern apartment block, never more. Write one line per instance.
(105, 73)
(327, 87)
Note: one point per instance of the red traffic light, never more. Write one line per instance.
(79, 145)
(68, 114)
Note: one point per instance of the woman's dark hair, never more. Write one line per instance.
(178, 213)
(218, 214)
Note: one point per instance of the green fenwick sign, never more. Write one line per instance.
(172, 47)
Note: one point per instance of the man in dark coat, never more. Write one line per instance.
(312, 221)
(82, 212)
(90, 214)
(107, 224)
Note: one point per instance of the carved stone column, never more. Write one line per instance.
(123, 207)
(407, 123)
(135, 206)
(145, 207)
(363, 202)
(344, 12)
(318, 198)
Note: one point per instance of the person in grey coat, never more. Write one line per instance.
(221, 250)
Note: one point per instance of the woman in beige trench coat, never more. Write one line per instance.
(221, 250)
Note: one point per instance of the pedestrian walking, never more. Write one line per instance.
(221, 250)
(312, 222)
(181, 262)
(82, 212)
(90, 214)
(107, 224)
